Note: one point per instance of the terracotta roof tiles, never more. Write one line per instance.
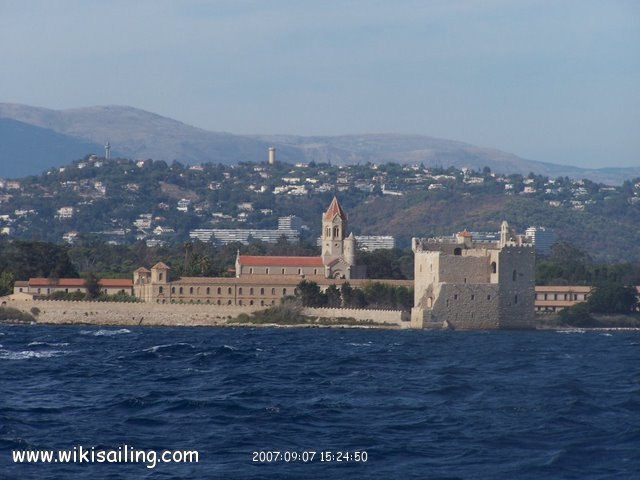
(333, 210)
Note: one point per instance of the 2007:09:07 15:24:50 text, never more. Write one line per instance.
(306, 456)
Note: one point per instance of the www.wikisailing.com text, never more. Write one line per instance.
(122, 454)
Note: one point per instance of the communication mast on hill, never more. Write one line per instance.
(272, 156)
(107, 151)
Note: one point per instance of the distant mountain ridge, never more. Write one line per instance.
(34, 139)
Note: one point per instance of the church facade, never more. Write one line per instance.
(261, 280)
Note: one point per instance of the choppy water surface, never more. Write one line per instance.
(486, 405)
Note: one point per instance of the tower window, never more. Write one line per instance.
(457, 251)
(493, 267)
(515, 275)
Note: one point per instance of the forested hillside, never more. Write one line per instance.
(123, 202)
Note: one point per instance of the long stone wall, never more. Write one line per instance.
(398, 318)
(117, 313)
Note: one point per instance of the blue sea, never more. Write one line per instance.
(410, 404)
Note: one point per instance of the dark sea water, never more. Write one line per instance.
(421, 404)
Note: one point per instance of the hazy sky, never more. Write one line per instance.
(555, 80)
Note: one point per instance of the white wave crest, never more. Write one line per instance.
(105, 333)
(26, 354)
(47, 344)
(157, 348)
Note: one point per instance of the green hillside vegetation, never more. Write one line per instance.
(108, 198)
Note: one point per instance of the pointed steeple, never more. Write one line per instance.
(333, 210)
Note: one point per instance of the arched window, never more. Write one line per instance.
(328, 232)
(240, 291)
(229, 291)
(190, 290)
(180, 290)
(515, 275)
(273, 291)
(262, 291)
(493, 267)
(251, 271)
(299, 271)
(173, 289)
(284, 291)
(208, 290)
(161, 290)
(219, 290)
(336, 232)
(267, 271)
(515, 299)
(160, 276)
(283, 270)
(251, 291)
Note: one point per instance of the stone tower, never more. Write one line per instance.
(334, 231)
(464, 284)
(338, 245)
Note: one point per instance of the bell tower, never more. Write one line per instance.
(334, 231)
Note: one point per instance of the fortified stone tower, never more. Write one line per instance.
(460, 283)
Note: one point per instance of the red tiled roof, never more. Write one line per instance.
(267, 261)
(60, 282)
(78, 282)
(116, 282)
(334, 209)
(464, 233)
